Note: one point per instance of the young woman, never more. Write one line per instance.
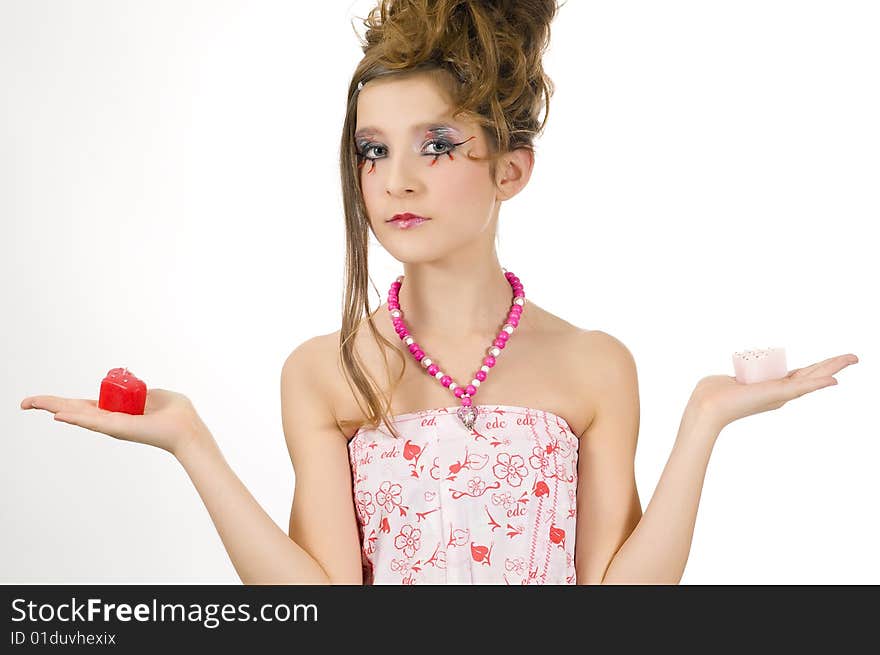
(496, 444)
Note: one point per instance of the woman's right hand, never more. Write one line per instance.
(169, 421)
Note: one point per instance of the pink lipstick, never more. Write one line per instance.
(407, 220)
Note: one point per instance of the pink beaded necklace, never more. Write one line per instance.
(467, 413)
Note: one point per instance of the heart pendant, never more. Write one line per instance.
(468, 415)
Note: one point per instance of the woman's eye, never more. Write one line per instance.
(441, 148)
(367, 149)
(444, 145)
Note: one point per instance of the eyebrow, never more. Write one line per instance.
(428, 126)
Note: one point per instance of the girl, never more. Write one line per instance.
(404, 474)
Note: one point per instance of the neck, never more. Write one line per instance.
(442, 300)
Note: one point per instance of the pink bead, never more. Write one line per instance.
(503, 335)
(470, 390)
(480, 375)
(519, 293)
(498, 343)
(419, 355)
(489, 361)
(516, 309)
(446, 380)
(413, 347)
(432, 369)
(458, 391)
(393, 305)
(466, 402)
(513, 320)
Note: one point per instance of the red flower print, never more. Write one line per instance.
(408, 540)
(457, 537)
(438, 505)
(505, 499)
(539, 460)
(541, 488)
(411, 450)
(511, 468)
(481, 554)
(438, 559)
(365, 507)
(557, 536)
(388, 496)
(476, 486)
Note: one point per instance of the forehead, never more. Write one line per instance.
(404, 105)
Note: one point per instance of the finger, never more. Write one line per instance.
(49, 403)
(109, 423)
(56, 404)
(826, 367)
(802, 386)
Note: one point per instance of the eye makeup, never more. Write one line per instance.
(438, 136)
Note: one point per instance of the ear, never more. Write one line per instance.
(514, 171)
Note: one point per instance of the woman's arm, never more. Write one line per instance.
(657, 550)
(260, 551)
(323, 546)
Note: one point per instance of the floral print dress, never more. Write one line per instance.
(446, 505)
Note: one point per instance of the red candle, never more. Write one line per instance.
(121, 391)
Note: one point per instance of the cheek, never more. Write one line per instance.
(454, 181)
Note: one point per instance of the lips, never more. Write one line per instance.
(407, 216)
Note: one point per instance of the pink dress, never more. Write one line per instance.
(447, 505)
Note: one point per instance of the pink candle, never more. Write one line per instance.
(759, 365)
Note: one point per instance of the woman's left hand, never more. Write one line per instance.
(726, 400)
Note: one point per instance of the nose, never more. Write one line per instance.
(403, 178)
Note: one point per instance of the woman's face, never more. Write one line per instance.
(413, 160)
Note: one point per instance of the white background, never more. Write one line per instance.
(169, 196)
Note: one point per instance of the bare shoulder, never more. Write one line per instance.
(308, 373)
(613, 377)
(323, 356)
(322, 518)
(610, 359)
(598, 366)
(606, 347)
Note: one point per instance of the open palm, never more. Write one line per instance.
(727, 400)
(169, 418)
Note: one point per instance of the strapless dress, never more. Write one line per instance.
(495, 504)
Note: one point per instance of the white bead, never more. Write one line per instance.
(484, 368)
(475, 382)
(400, 278)
(519, 301)
(453, 386)
(396, 313)
(494, 351)
(439, 374)
(409, 341)
(508, 328)
(426, 362)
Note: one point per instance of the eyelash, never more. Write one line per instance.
(451, 148)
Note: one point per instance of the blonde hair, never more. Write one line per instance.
(486, 55)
